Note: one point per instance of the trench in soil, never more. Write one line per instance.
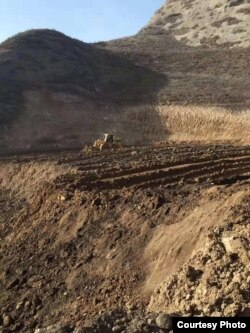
(86, 234)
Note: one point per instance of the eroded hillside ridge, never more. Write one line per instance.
(206, 23)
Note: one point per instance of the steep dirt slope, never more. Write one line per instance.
(87, 234)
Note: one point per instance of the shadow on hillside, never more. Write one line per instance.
(46, 60)
(197, 74)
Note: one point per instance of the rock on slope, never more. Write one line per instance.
(215, 282)
(213, 22)
(180, 42)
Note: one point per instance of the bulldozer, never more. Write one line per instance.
(107, 141)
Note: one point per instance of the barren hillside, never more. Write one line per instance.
(73, 91)
(209, 23)
(179, 42)
(69, 90)
(121, 240)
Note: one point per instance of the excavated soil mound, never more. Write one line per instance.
(88, 239)
(216, 281)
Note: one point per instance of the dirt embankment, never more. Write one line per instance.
(82, 235)
(215, 281)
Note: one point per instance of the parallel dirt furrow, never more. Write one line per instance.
(145, 166)
(159, 166)
(89, 232)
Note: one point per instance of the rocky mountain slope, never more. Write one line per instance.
(191, 52)
(201, 67)
(207, 23)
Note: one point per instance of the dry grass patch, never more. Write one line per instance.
(208, 124)
(196, 123)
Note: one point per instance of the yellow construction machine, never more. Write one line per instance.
(107, 141)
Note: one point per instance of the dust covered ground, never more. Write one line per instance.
(119, 241)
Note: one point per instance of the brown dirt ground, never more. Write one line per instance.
(84, 233)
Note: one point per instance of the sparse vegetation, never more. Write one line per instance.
(210, 18)
(112, 80)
